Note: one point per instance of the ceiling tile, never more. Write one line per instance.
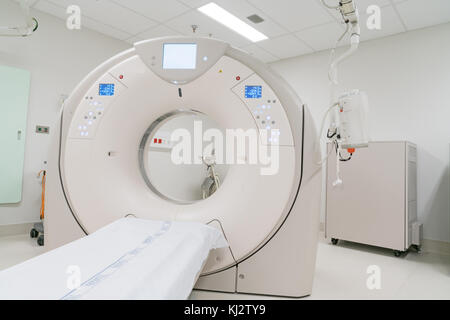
(294, 15)
(390, 24)
(48, 7)
(155, 9)
(243, 9)
(111, 14)
(29, 2)
(157, 32)
(322, 37)
(364, 4)
(206, 27)
(419, 13)
(259, 53)
(196, 3)
(285, 46)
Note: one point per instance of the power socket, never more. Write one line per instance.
(42, 129)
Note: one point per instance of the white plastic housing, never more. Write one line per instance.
(353, 119)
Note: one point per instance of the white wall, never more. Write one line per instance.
(407, 78)
(58, 59)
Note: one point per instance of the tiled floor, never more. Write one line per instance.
(341, 272)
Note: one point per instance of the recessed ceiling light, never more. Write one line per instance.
(222, 16)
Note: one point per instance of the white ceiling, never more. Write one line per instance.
(294, 27)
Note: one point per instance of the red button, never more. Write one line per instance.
(155, 140)
(160, 141)
(238, 78)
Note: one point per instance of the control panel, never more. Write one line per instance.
(93, 107)
(266, 110)
(180, 60)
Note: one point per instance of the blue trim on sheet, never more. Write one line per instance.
(96, 279)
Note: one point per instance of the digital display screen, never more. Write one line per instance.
(253, 92)
(106, 89)
(180, 56)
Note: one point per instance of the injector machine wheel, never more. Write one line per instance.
(397, 253)
(40, 240)
(34, 233)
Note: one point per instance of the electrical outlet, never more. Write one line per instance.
(42, 129)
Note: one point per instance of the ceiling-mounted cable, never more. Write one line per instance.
(21, 31)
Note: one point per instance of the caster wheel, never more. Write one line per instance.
(334, 241)
(40, 240)
(34, 233)
(397, 253)
(416, 247)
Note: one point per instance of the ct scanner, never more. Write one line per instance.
(271, 222)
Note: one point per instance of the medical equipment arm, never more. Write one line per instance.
(21, 31)
(348, 123)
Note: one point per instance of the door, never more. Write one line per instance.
(14, 92)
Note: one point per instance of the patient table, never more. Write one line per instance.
(127, 259)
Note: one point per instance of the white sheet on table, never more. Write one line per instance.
(128, 259)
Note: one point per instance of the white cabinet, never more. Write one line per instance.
(377, 203)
